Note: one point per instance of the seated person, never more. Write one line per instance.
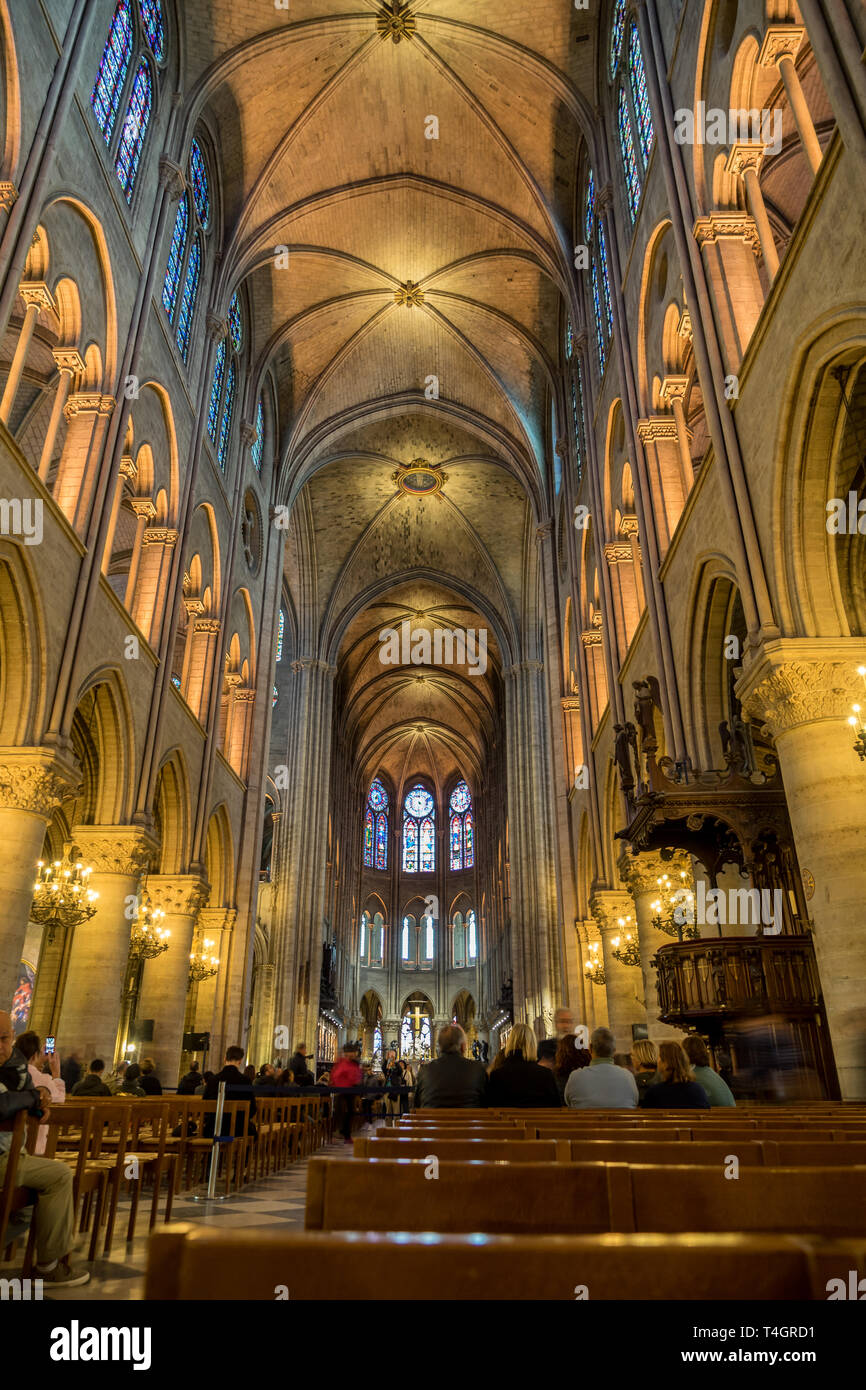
(677, 1088)
(237, 1088)
(92, 1084)
(30, 1046)
(51, 1179)
(718, 1091)
(646, 1055)
(520, 1080)
(452, 1080)
(601, 1085)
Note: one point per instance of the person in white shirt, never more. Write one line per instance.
(602, 1085)
(30, 1045)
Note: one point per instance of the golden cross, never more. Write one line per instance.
(417, 1013)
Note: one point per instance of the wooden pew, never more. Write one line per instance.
(190, 1263)
(579, 1198)
(486, 1150)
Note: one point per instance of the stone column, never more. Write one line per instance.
(673, 393)
(125, 474)
(70, 363)
(87, 414)
(145, 511)
(536, 952)
(781, 42)
(745, 159)
(33, 782)
(642, 873)
(595, 995)
(300, 891)
(622, 982)
(37, 297)
(202, 642)
(157, 545)
(803, 690)
(91, 1007)
(728, 243)
(165, 979)
(661, 442)
(215, 923)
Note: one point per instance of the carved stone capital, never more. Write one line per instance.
(628, 526)
(604, 198)
(171, 178)
(245, 697)
(68, 360)
(36, 780)
(36, 294)
(8, 194)
(160, 535)
(210, 626)
(673, 388)
(718, 225)
(642, 871)
(129, 469)
(608, 905)
(194, 606)
(780, 41)
(522, 668)
(656, 428)
(313, 663)
(797, 682)
(544, 531)
(88, 403)
(618, 553)
(216, 327)
(179, 895)
(116, 849)
(213, 920)
(143, 507)
(685, 328)
(745, 155)
(591, 637)
(248, 433)
(570, 703)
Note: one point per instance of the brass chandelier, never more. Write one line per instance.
(61, 897)
(856, 722)
(202, 965)
(149, 937)
(675, 916)
(594, 967)
(629, 953)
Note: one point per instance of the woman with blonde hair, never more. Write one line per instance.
(677, 1089)
(646, 1055)
(519, 1080)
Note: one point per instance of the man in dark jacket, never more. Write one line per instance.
(452, 1080)
(298, 1061)
(237, 1088)
(92, 1084)
(187, 1084)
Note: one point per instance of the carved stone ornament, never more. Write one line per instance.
(171, 178)
(115, 849)
(641, 871)
(36, 780)
(718, 225)
(608, 906)
(396, 22)
(179, 895)
(795, 693)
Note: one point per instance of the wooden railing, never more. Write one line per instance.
(734, 975)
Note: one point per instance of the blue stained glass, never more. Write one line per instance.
(590, 205)
(368, 840)
(275, 697)
(154, 29)
(190, 294)
(281, 632)
(134, 129)
(228, 407)
(596, 304)
(574, 418)
(236, 328)
(456, 842)
(640, 96)
(419, 802)
(258, 448)
(410, 845)
(175, 680)
(569, 341)
(579, 433)
(605, 280)
(629, 159)
(381, 841)
(112, 70)
(461, 798)
(378, 797)
(200, 184)
(616, 33)
(213, 412)
(428, 846)
(175, 257)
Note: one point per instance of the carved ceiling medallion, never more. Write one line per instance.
(395, 22)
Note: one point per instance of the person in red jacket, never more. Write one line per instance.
(346, 1076)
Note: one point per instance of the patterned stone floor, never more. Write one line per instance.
(277, 1201)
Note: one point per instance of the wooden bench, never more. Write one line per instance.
(191, 1263)
(518, 1150)
(579, 1198)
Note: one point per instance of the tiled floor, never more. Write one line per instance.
(277, 1201)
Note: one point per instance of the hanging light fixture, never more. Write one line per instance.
(629, 953)
(61, 897)
(149, 937)
(856, 722)
(594, 967)
(202, 965)
(675, 909)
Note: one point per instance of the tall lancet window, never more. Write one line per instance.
(186, 254)
(133, 55)
(633, 117)
(419, 832)
(376, 827)
(602, 304)
(462, 828)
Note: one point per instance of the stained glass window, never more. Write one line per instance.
(225, 427)
(112, 70)
(275, 697)
(616, 33)
(190, 294)
(134, 129)
(419, 832)
(364, 921)
(596, 304)
(605, 280)
(151, 18)
(259, 441)
(577, 417)
(200, 184)
(236, 327)
(281, 632)
(569, 341)
(458, 941)
(473, 936)
(461, 841)
(629, 159)
(407, 941)
(175, 257)
(175, 680)
(376, 844)
(213, 412)
(428, 938)
(590, 205)
(377, 939)
(637, 78)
